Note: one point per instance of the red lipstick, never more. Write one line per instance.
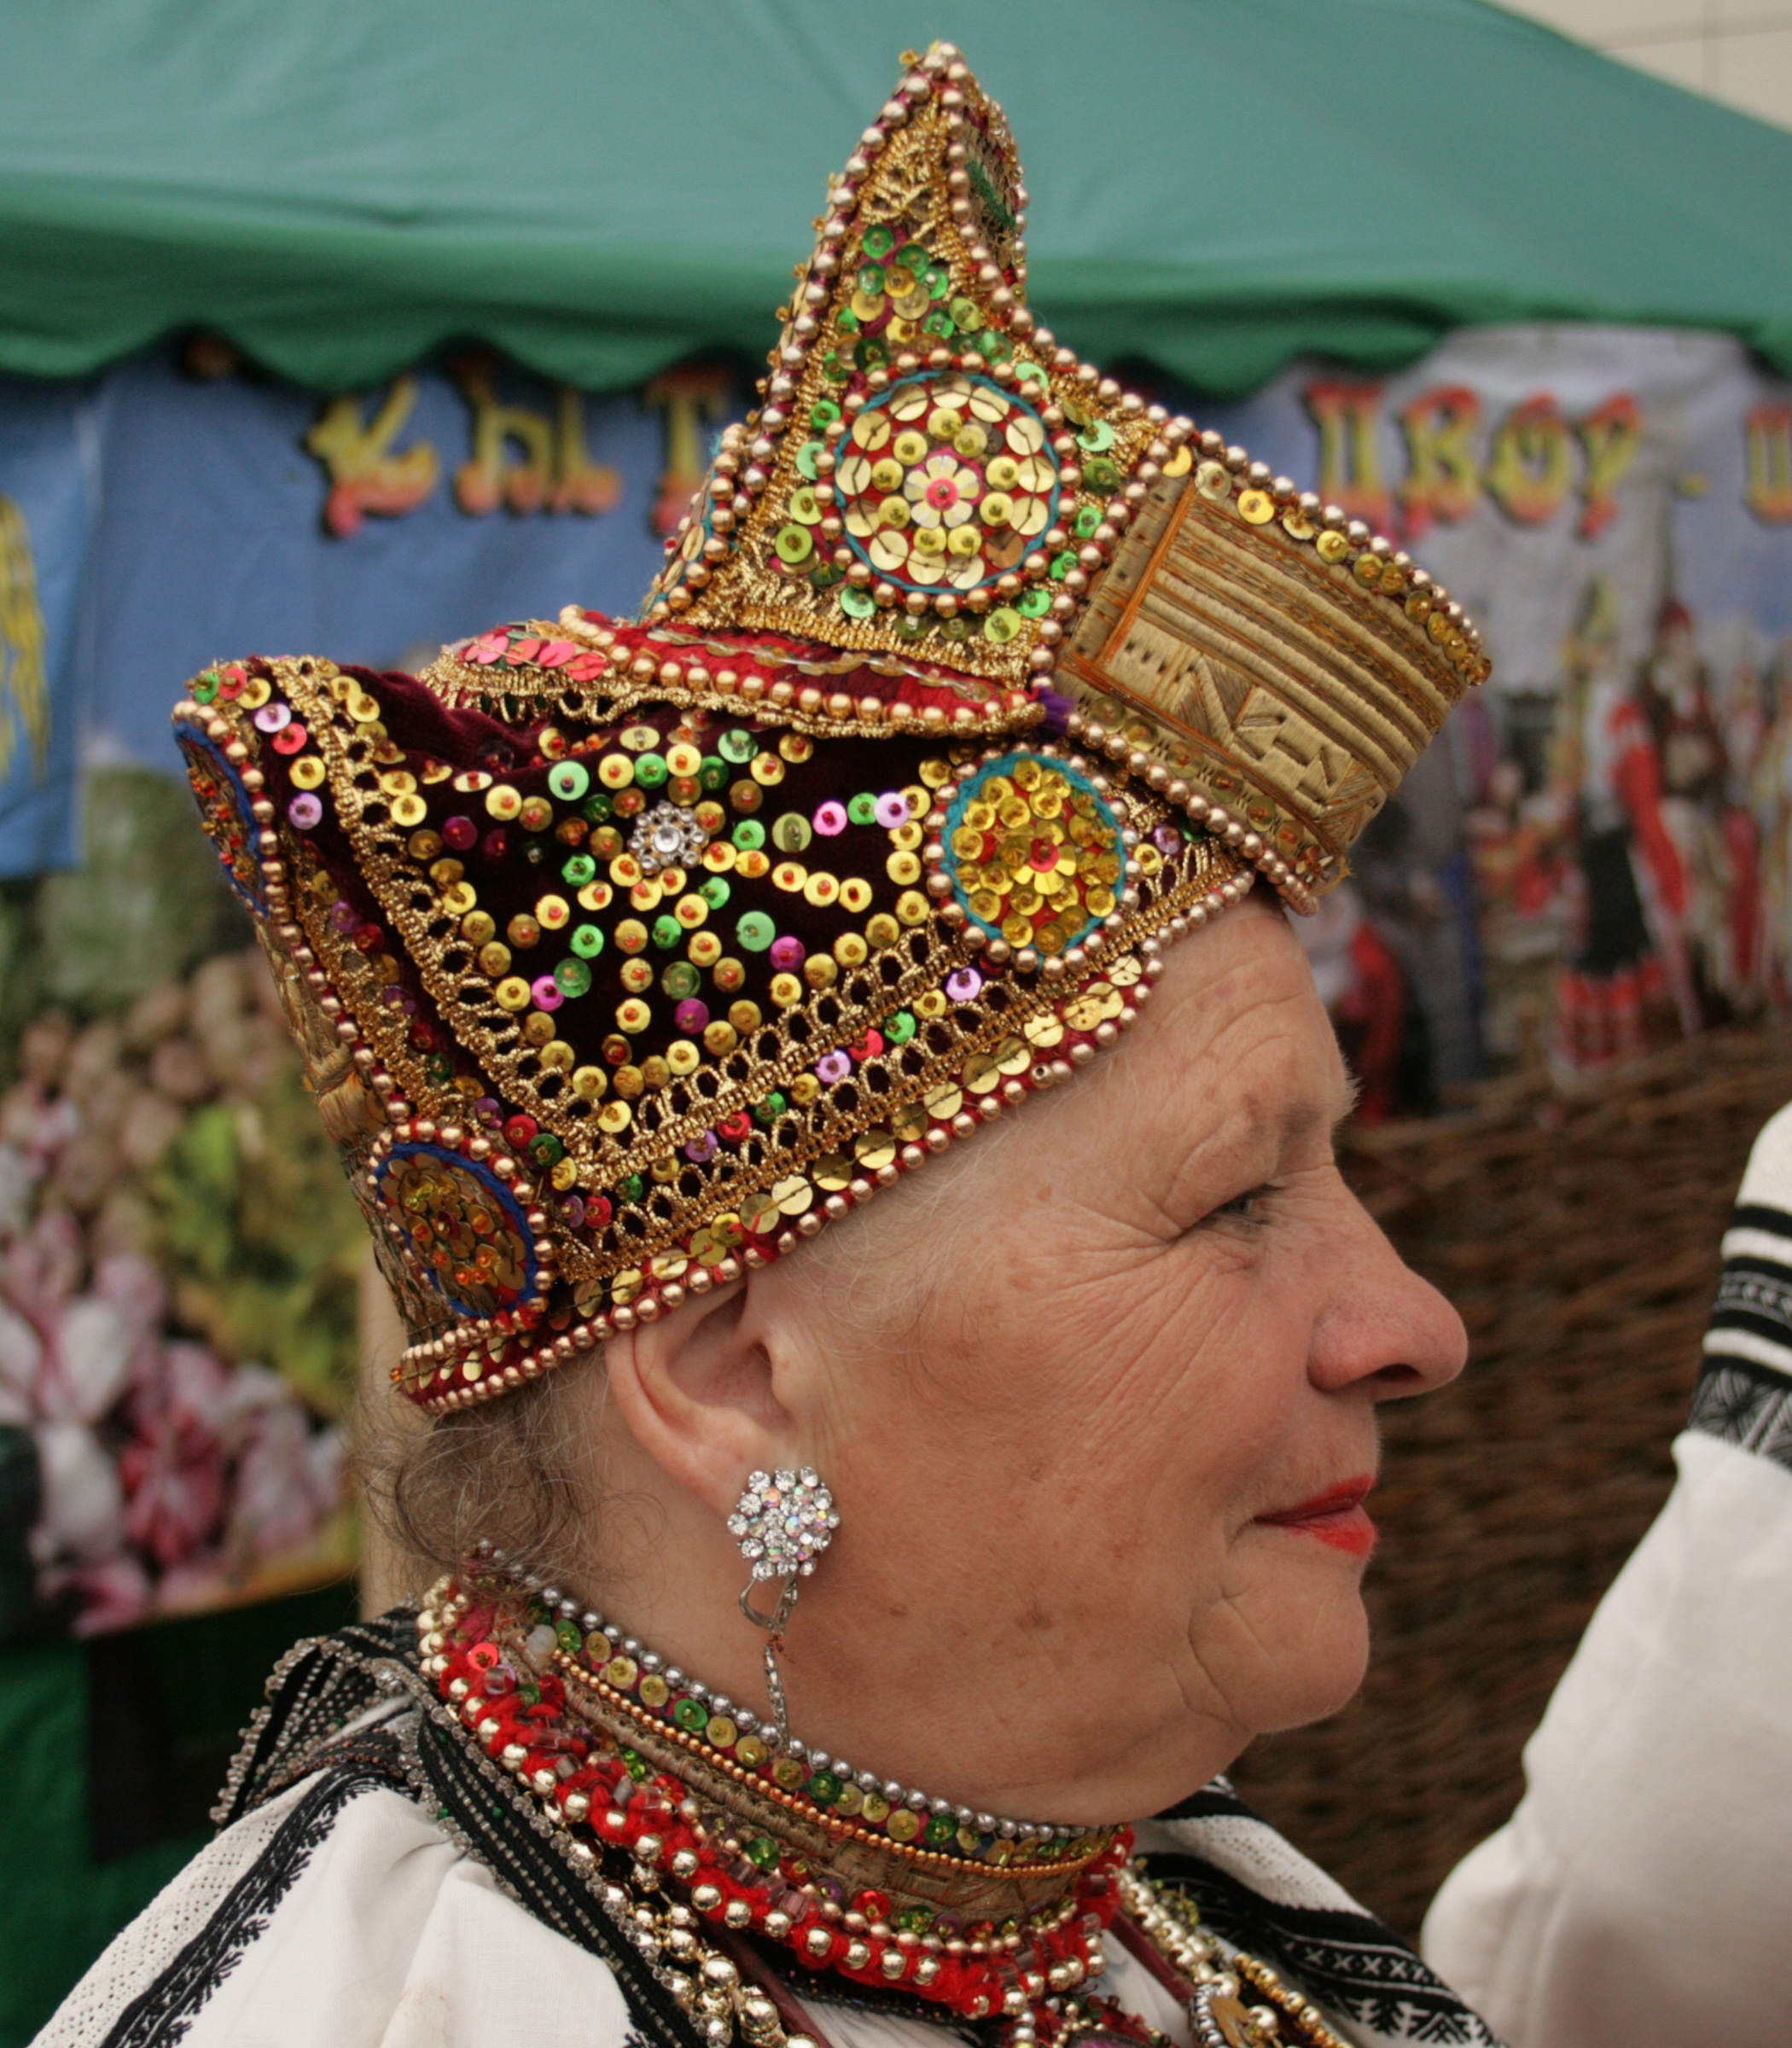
(1336, 1516)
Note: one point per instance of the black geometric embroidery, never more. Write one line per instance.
(330, 1681)
(1346, 1962)
(1746, 1403)
(164, 2010)
(1759, 1290)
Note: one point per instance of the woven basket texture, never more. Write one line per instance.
(1578, 1236)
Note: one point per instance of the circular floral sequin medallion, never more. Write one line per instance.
(945, 483)
(466, 1233)
(1034, 852)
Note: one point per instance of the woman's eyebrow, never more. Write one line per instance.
(1303, 1118)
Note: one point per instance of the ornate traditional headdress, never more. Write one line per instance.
(623, 956)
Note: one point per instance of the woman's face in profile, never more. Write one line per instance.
(1099, 1411)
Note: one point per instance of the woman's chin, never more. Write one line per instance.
(1317, 1638)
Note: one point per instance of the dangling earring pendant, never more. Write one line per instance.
(782, 1521)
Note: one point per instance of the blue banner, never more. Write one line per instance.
(48, 502)
(159, 518)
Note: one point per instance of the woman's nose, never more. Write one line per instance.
(1383, 1328)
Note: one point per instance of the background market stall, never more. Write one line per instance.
(300, 348)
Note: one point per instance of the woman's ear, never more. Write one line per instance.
(695, 1391)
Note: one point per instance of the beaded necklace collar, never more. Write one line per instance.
(663, 1702)
(1004, 1923)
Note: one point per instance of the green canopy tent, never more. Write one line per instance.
(601, 189)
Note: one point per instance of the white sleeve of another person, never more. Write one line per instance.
(1641, 1896)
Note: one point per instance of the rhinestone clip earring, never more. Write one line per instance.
(782, 1521)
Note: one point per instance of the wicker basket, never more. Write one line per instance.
(1578, 1237)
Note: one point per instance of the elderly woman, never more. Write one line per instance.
(627, 959)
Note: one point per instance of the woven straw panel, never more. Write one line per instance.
(1578, 1237)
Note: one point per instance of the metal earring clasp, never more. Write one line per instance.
(782, 1521)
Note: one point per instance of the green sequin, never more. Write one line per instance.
(578, 870)
(691, 1715)
(587, 941)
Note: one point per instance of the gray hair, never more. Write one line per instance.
(518, 1472)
